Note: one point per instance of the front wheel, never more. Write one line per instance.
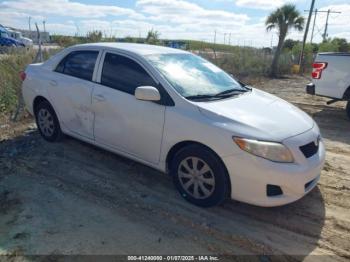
(200, 176)
(348, 109)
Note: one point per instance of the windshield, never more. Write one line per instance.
(4, 34)
(191, 75)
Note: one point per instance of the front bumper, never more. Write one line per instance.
(310, 89)
(250, 175)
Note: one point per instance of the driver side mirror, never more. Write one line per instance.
(147, 93)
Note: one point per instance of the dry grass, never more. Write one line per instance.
(11, 63)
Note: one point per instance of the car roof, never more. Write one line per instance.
(141, 49)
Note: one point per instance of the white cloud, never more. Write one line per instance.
(185, 20)
(183, 12)
(260, 4)
(17, 19)
(57, 28)
(65, 8)
(172, 18)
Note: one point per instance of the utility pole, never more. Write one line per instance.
(44, 30)
(229, 39)
(214, 45)
(225, 38)
(30, 28)
(313, 27)
(305, 36)
(326, 27)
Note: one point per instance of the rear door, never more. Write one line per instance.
(122, 121)
(71, 90)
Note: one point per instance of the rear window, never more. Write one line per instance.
(79, 64)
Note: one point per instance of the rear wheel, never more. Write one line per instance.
(348, 109)
(200, 176)
(47, 122)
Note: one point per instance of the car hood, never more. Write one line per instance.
(257, 115)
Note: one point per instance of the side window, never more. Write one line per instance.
(79, 64)
(124, 74)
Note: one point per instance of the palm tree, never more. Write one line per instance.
(283, 18)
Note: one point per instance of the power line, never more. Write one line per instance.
(329, 11)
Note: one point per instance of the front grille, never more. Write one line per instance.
(309, 149)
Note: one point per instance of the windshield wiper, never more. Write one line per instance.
(221, 95)
(248, 87)
(195, 97)
(231, 92)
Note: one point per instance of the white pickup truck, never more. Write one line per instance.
(331, 77)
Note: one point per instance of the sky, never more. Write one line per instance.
(236, 22)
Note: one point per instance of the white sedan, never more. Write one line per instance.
(178, 113)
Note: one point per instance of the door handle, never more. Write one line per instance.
(99, 97)
(53, 83)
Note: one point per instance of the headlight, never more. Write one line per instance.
(276, 152)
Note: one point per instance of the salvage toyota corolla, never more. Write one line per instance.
(178, 113)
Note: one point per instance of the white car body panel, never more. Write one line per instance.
(257, 118)
(102, 116)
(74, 110)
(114, 119)
(335, 78)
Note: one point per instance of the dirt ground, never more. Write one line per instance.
(73, 198)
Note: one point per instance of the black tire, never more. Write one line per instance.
(348, 109)
(55, 133)
(221, 188)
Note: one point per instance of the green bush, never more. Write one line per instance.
(11, 64)
(308, 54)
(328, 46)
(241, 61)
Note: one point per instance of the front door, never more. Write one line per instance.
(122, 121)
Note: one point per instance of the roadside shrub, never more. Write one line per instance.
(65, 41)
(11, 64)
(308, 54)
(241, 61)
(8, 100)
(328, 46)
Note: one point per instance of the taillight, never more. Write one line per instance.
(317, 69)
(22, 75)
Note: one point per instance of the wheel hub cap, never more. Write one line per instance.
(46, 123)
(196, 177)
